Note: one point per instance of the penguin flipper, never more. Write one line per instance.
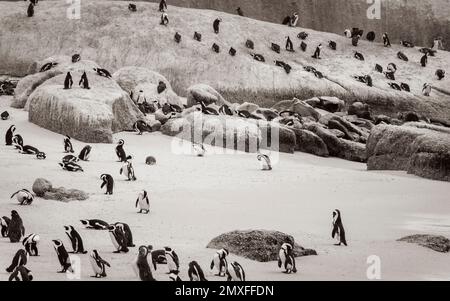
(279, 263)
(212, 264)
(137, 202)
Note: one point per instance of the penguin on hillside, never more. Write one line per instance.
(338, 231)
(440, 74)
(120, 152)
(359, 56)
(84, 82)
(286, 259)
(141, 127)
(126, 230)
(108, 181)
(426, 90)
(216, 25)
(98, 264)
(143, 202)
(386, 40)
(103, 72)
(30, 10)
(225, 110)
(424, 60)
(71, 166)
(30, 243)
(316, 54)
(4, 115)
(220, 262)
(23, 196)
(68, 81)
(63, 256)
(19, 259)
(75, 240)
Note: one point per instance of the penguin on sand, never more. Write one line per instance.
(195, 272)
(220, 262)
(16, 230)
(19, 259)
(286, 259)
(98, 265)
(338, 231)
(143, 202)
(141, 265)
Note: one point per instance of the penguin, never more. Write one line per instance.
(41, 156)
(316, 54)
(244, 114)
(286, 259)
(250, 44)
(386, 40)
(70, 159)
(108, 181)
(98, 264)
(240, 12)
(207, 110)
(4, 224)
(143, 202)
(132, 7)
(103, 72)
(120, 151)
(75, 240)
(173, 262)
(63, 256)
(402, 56)
(289, 45)
(150, 160)
(332, 45)
(28, 150)
(371, 36)
(71, 166)
(395, 86)
(85, 153)
(287, 68)
(197, 36)
(118, 239)
(21, 273)
(16, 230)
(68, 148)
(174, 276)
(424, 60)
(309, 69)
(199, 149)
(141, 265)
(95, 224)
(318, 74)
(258, 57)
(9, 135)
(164, 19)
(48, 66)
(126, 230)
(407, 44)
(141, 126)
(17, 141)
(225, 110)
(430, 52)
(405, 87)
(177, 37)
(338, 231)
(195, 272)
(30, 243)
(378, 68)
(216, 25)
(215, 48)
(232, 51)
(161, 87)
(302, 35)
(23, 196)
(162, 5)
(4, 115)
(358, 56)
(76, 58)
(264, 161)
(128, 171)
(440, 74)
(84, 82)
(235, 272)
(220, 262)
(426, 90)
(19, 259)
(366, 79)
(347, 33)
(390, 75)
(355, 40)
(68, 81)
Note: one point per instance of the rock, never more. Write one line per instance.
(204, 93)
(90, 116)
(383, 119)
(418, 148)
(335, 124)
(276, 137)
(150, 92)
(130, 77)
(297, 106)
(337, 133)
(313, 102)
(259, 245)
(409, 117)
(433, 242)
(331, 104)
(308, 142)
(268, 114)
(174, 127)
(360, 109)
(41, 186)
(64, 65)
(249, 107)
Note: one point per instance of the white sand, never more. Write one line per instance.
(195, 199)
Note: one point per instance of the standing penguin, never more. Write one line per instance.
(141, 265)
(286, 259)
(195, 272)
(143, 202)
(84, 82)
(216, 25)
(98, 264)
(173, 262)
(386, 40)
(424, 60)
(68, 81)
(63, 256)
(75, 240)
(440, 74)
(85, 153)
(240, 12)
(118, 239)
(317, 52)
(4, 224)
(338, 228)
(265, 162)
(17, 141)
(426, 90)
(220, 262)
(162, 5)
(128, 171)
(9, 135)
(68, 148)
(199, 149)
(30, 10)
(108, 181)
(30, 243)
(126, 230)
(174, 276)
(24, 197)
(289, 44)
(19, 259)
(235, 272)
(120, 152)
(16, 230)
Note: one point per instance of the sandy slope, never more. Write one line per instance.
(194, 199)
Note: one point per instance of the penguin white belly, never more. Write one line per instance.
(232, 272)
(217, 262)
(282, 258)
(114, 240)
(143, 204)
(171, 264)
(97, 270)
(264, 165)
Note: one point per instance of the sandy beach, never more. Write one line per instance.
(195, 199)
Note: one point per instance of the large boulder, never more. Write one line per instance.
(417, 148)
(297, 106)
(41, 186)
(64, 64)
(308, 142)
(150, 92)
(276, 137)
(331, 104)
(130, 77)
(259, 245)
(90, 116)
(359, 109)
(204, 93)
(248, 106)
(433, 242)
(44, 189)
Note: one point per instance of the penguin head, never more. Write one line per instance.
(68, 229)
(112, 228)
(226, 252)
(168, 249)
(36, 238)
(12, 128)
(143, 251)
(57, 243)
(84, 222)
(41, 155)
(121, 142)
(14, 213)
(144, 193)
(337, 213)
